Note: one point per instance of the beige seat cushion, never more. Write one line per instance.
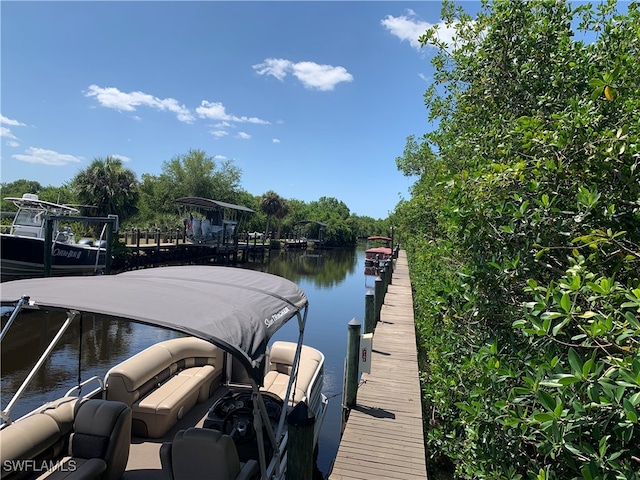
(26, 439)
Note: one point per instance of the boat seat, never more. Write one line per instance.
(27, 443)
(281, 362)
(204, 454)
(163, 382)
(99, 444)
(68, 439)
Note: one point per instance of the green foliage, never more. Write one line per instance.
(194, 174)
(108, 187)
(523, 241)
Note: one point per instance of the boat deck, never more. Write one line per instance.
(383, 437)
(144, 453)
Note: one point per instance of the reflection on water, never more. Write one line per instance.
(323, 268)
(105, 342)
(333, 280)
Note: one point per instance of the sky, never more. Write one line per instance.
(308, 99)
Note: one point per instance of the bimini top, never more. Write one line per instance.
(236, 309)
(379, 237)
(210, 204)
(32, 201)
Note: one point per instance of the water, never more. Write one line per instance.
(333, 280)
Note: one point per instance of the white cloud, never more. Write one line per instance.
(244, 135)
(6, 133)
(120, 157)
(46, 157)
(219, 133)
(276, 67)
(409, 28)
(276, 140)
(8, 121)
(312, 75)
(217, 111)
(111, 97)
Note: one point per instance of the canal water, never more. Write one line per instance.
(333, 281)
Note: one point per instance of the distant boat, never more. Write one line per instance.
(22, 249)
(378, 250)
(211, 222)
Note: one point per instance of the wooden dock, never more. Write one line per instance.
(383, 436)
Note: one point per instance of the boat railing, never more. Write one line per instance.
(6, 413)
(93, 393)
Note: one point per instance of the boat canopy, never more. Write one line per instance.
(379, 237)
(210, 204)
(236, 309)
(32, 201)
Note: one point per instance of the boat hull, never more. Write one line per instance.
(23, 257)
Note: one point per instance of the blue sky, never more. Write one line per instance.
(308, 99)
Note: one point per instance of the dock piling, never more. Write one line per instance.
(369, 312)
(379, 297)
(352, 362)
(300, 426)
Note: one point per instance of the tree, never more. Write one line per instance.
(194, 174)
(282, 212)
(197, 174)
(108, 186)
(528, 196)
(17, 189)
(270, 203)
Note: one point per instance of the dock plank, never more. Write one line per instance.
(383, 437)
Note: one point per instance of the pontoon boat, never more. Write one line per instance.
(211, 403)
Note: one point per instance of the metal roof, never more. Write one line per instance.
(210, 204)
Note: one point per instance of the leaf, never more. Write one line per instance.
(543, 417)
(566, 379)
(576, 362)
(565, 302)
(610, 93)
(546, 400)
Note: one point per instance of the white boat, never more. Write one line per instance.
(22, 250)
(212, 403)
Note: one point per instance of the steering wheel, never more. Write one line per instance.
(238, 424)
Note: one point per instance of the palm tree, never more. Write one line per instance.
(282, 212)
(108, 186)
(270, 204)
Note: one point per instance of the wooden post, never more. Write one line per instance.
(300, 425)
(390, 270)
(157, 239)
(383, 276)
(352, 362)
(369, 312)
(137, 247)
(48, 245)
(378, 296)
(107, 253)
